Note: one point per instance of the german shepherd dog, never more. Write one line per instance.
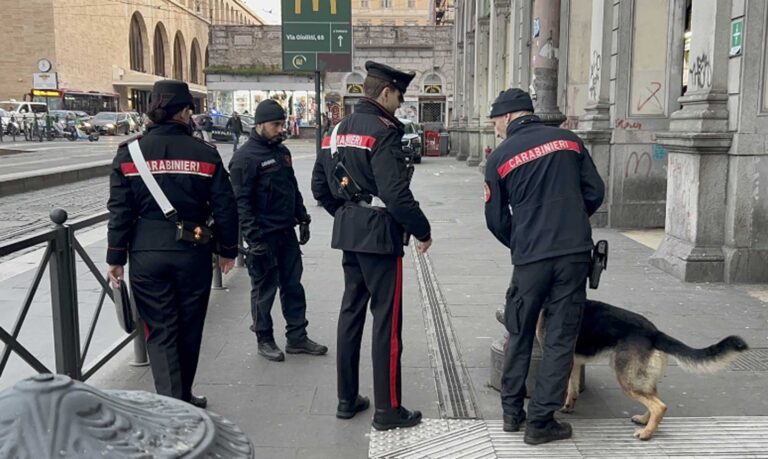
(639, 354)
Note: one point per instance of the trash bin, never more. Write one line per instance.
(433, 143)
(445, 140)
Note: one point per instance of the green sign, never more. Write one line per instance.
(737, 36)
(317, 35)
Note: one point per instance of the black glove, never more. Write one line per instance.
(303, 232)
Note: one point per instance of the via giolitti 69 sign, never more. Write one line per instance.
(317, 35)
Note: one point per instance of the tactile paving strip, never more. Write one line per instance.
(752, 360)
(677, 437)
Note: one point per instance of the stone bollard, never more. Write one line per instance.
(497, 361)
(49, 416)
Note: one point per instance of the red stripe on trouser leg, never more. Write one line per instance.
(394, 342)
(146, 332)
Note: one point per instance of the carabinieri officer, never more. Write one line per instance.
(170, 264)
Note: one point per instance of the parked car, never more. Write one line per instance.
(220, 131)
(133, 121)
(411, 139)
(111, 123)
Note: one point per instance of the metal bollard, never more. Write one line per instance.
(140, 346)
(66, 336)
(217, 279)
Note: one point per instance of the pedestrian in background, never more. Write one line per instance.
(270, 206)
(169, 250)
(546, 177)
(235, 126)
(207, 127)
(361, 178)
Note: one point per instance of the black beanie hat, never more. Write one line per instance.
(267, 111)
(510, 101)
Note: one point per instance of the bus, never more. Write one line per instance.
(91, 102)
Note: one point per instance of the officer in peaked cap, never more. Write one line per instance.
(362, 179)
(546, 177)
(169, 251)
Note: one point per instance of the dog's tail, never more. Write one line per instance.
(707, 360)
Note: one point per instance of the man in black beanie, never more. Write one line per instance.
(270, 206)
(546, 177)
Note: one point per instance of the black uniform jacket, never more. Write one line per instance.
(268, 197)
(192, 176)
(546, 177)
(370, 145)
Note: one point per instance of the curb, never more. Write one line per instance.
(29, 181)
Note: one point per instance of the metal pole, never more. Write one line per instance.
(66, 329)
(140, 346)
(318, 115)
(217, 280)
(240, 259)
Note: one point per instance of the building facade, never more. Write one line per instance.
(239, 77)
(68, 48)
(670, 96)
(402, 12)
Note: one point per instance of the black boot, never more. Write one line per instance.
(270, 351)
(306, 347)
(393, 418)
(536, 434)
(512, 423)
(200, 402)
(347, 409)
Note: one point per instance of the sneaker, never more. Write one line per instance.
(393, 418)
(306, 347)
(513, 423)
(270, 351)
(347, 409)
(200, 402)
(550, 431)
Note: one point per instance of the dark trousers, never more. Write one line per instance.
(171, 290)
(279, 267)
(559, 286)
(378, 278)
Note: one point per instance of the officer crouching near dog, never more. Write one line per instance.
(270, 206)
(162, 232)
(547, 178)
(362, 179)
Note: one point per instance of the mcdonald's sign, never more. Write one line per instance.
(317, 35)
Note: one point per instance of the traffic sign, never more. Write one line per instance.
(317, 35)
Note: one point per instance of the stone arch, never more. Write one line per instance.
(195, 61)
(138, 43)
(161, 51)
(432, 83)
(353, 83)
(179, 57)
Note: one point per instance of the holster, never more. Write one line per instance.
(193, 232)
(347, 187)
(599, 263)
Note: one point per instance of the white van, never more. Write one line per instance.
(22, 107)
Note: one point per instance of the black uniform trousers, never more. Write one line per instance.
(559, 286)
(280, 267)
(171, 291)
(378, 278)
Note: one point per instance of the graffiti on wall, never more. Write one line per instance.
(594, 75)
(700, 72)
(652, 95)
(638, 165)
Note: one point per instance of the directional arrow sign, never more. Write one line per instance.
(317, 35)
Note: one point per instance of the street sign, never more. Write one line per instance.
(317, 35)
(737, 36)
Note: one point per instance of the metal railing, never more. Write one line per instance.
(62, 248)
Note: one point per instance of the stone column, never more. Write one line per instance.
(595, 123)
(458, 85)
(698, 143)
(480, 101)
(499, 57)
(468, 80)
(544, 60)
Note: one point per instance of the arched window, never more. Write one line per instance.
(354, 83)
(136, 42)
(194, 63)
(432, 84)
(160, 41)
(179, 55)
